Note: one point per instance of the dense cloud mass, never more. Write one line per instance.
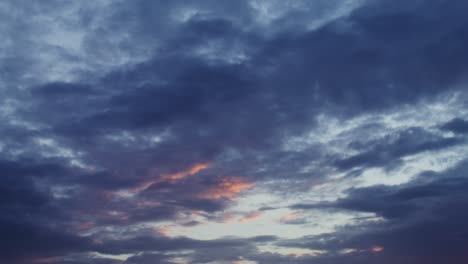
(239, 132)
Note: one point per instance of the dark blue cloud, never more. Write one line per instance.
(423, 222)
(457, 125)
(101, 99)
(389, 150)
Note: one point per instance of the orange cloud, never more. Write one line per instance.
(377, 249)
(170, 177)
(251, 216)
(193, 170)
(163, 230)
(290, 216)
(228, 188)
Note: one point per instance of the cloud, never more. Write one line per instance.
(389, 150)
(456, 125)
(227, 188)
(170, 177)
(117, 117)
(421, 217)
(250, 217)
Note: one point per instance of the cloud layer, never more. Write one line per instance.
(324, 131)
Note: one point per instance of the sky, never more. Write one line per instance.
(234, 132)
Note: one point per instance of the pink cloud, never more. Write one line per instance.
(250, 217)
(228, 188)
(170, 177)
